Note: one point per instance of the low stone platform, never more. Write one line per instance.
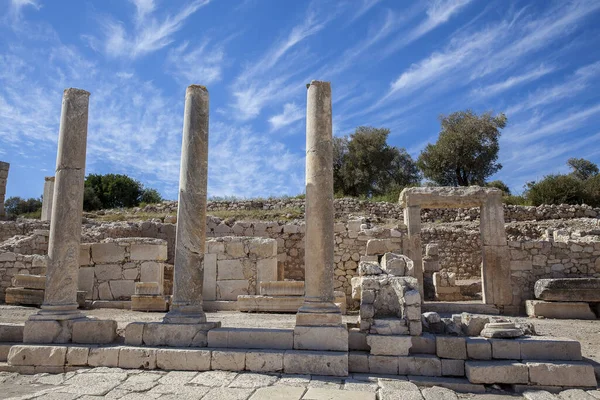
(559, 309)
(283, 304)
(23, 296)
(568, 289)
(457, 307)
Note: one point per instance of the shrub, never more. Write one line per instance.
(17, 206)
(556, 189)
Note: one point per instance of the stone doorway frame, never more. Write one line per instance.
(495, 271)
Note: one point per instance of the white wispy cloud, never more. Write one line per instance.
(364, 7)
(291, 113)
(509, 83)
(202, 65)
(438, 12)
(149, 33)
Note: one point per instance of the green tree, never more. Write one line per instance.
(150, 196)
(15, 206)
(365, 165)
(556, 189)
(499, 185)
(116, 190)
(582, 169)
(466, 152)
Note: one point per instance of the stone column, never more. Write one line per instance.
(319, 309)
(188, 273)
(47, 199)
(495, 271)
(414, 251)
(4, 166)
(60, 298)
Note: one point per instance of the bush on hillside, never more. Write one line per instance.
(116, 191)
(16, 206)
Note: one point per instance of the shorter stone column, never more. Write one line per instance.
(47, 198)
(412, 246)
(4, 166)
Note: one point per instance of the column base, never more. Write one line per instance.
(57, 313)
(185, 314)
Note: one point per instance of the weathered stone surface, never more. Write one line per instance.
(188, 274)
(451, 347)
(549, 348)
(447, 196)
(29, 281)
(562, 374)
(282, 288)
(264, 360)
(357, 340)
(179, 335)
(472, 325)
(37, 355)
(397, 345)
(358, 362)
(490, 372)
(424, 344)
(326, 338)
(420, 365)
(383, 364)
(366, 268)
(11, 332)
(22, 296)
(183, 360)
(149, 303)
(94, 331)
(395, 264)
(568, 289)
(77, 356)
(501, 330)
(47, 331)
(506, 349)
(438, 393)
(103, 357)
(559, 309)
(453, 367)
(150, 252)
(478, 348)
(231, 360)
(137, 357)
(251, 338)
(315, 362)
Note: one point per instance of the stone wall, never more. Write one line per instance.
(36, 243)
(345, 206)
(109, 270)
(234, 266)
(12, 264)
(4, 166)
(25, 227)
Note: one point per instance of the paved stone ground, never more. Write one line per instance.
(116, 383)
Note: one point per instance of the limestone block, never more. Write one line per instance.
(122, 290)
(104, 253)
(380, 246)
(490, 372)
(85, 254)
(269, 303)
(496, 275)
(86, 281)
(104, 292)
(282, 288)
(106, 272)
(179, 335)
(228, 360)
(507, 349)
(472, 325)
(103, 357)
(420, 365)
(77, 356)
(356, 283)
(424, 344)
(315, 362)
(148, 288)
(18, 295)
(149, 303)
(37, 355)
(229, 270)
(568, 289)
(251, 338)
(151, 271)
(134, 333)
(357, 340)
(148, 252)
(263, 248)
(383, 364)
(37, 331)
(4, 350)
(230, 290)
(549, 348)
(394, 264)
(559, 310)
(11, 332)
(453, 367)
(29, 281)
(415, 328)
(358, 362)
(479, 348)
(266, 270)
(451, 347)
(183, 360)
(329, 338)
(367, 268)
(264, 361)
(389, 345)
(209, 290)
(389, 326)
(137, 358)
(94, 331)
(578, 374)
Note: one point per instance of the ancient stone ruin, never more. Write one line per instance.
(386, 278)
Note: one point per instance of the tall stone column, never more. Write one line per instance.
(4, 167)
(319, 309)
(47, 199)
(412, 220)
(188, 273)
(60, 298)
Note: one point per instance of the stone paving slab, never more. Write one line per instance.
(122, 384)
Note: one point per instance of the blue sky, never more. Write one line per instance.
(395, 64)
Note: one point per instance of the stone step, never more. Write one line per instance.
(493, 372)
(568, 289)
(29, 281)
(28, 297)
(457, 307)
(11, 332)
(251, 338)
(559, 309)
(457, 384)
(572, 374)
(285, 304)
